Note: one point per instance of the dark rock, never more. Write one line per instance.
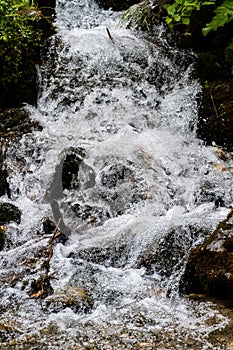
(209, 268)
(2, 237)
(168, 255)
(8, 213)
(88, 212)
(41, 287)
(116, 5)
(49, 228)
(66, 173)
(4, 186)
(47, 7)
(114, 256)
(16, 120)
(215, 123)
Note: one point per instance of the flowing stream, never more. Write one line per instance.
(119, 168)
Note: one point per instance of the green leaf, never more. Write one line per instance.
(206, 3)
(168, 20)
(186, 20)
(171, 10)
(224, 15)
(177, 18)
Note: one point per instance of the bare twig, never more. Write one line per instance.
(110, 36)
(214, 105)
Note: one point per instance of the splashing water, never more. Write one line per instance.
(118, 160)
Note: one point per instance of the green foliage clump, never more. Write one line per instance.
(223, 15)
(180, 11)
(19, 39)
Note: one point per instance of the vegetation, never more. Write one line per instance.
(223, 15)
(21, 37)
(18, 38)
(181, 12)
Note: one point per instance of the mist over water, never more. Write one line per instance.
(123, 113)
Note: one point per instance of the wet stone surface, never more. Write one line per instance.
(210, 265)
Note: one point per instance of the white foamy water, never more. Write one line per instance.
(125, 111)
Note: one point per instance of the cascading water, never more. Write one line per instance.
(118, 162)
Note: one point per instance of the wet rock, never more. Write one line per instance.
(168, 255)
(8, 330)
(116, 5)
(96, 215)
(74, 297)
(120, 186)
(114, 256)
(8, 213)
(16, 120)
(49, 228)
(2, 237)
(66, 173)
(209, 268)
(4, 186)
(41, 287)
(215, 123)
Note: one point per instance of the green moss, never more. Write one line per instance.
(140, 16)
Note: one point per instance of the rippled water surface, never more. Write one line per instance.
(118, 167)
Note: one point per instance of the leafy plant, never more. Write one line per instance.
(229, 55)
(223, 15)
(19, 38)
(180, 11)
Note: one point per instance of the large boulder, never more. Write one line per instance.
(209, 269)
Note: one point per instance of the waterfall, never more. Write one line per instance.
(119, 168)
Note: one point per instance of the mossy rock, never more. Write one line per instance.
(215, 122)
(116, 5)
(209, 269)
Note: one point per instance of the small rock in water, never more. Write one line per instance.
(74, 297)
(8, 213)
